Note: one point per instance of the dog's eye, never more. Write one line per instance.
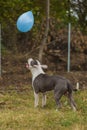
(34, 62)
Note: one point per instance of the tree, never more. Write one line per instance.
(80, 9)
(46, 30)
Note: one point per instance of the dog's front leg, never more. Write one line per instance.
(36, 96)
(43, 99)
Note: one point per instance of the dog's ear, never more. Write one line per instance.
(44, 66)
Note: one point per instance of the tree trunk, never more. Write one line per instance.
(46, 30)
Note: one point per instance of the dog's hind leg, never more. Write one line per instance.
(72, 103)
(57, 96)
(36, 96)
(43, 99)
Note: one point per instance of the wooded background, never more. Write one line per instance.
(55, 50)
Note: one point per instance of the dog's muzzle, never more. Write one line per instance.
(27, 65)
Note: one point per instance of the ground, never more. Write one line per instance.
(17, 112)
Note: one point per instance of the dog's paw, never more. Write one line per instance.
(56, 109)
(43, 106)
(36, 106)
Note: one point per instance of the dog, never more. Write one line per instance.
(43, 82)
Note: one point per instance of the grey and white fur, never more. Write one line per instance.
(43, 82)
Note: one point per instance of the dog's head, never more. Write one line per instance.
(35, 67)
(34, 64)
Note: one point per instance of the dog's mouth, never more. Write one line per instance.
(27, 65)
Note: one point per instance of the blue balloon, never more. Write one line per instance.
(25, 21)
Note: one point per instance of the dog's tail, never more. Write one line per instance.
(77, 87)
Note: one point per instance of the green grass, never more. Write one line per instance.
(17, 112)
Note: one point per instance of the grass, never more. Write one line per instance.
(17, 112)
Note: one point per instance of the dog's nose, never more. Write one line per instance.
(27, 65)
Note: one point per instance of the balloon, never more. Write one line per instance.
(25, 21)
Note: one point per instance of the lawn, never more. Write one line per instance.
(17, 112)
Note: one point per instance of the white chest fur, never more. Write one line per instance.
(36, 71)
